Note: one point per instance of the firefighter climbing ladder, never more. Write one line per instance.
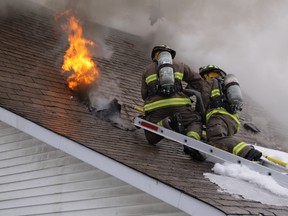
(216, 155)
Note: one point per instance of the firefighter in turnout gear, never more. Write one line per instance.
(165, 103)
(223, 100)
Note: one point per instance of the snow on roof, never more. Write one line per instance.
(241, 181)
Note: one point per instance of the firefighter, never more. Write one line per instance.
(165, 103)
(223, 100)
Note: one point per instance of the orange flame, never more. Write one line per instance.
(78, 57)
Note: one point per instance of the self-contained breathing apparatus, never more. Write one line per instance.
(165, 72)
(233, 92)
(166, 83)
(230, 95)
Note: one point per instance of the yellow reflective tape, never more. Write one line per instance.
(204, 134)
(160, 123)
(167, 102)
(221, 110)
(178, 75)
(215, 92)
(193, 134)
(238, 148)
(151, 78)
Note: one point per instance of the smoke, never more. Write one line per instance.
(246, 38)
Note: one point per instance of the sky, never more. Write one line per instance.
(242, 182)
(245, 37)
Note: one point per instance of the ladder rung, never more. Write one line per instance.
(214, 154)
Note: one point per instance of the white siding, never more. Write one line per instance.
(37, 179)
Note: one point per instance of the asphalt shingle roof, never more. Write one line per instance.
(32, 86)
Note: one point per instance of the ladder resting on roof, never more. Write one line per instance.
(216, 155)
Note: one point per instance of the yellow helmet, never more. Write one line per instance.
(211, 71)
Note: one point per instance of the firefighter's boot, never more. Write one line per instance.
(193, 153)
(253, 155)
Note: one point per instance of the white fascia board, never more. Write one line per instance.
(137, 179)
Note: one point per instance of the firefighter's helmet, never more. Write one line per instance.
(162, 48)
(204, 71)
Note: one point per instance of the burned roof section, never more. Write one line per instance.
(32, 47)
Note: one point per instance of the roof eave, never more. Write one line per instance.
(137, 179)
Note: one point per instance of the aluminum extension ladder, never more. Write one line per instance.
(216, 155)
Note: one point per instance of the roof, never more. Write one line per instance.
(33, 87)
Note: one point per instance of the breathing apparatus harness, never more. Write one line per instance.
(221, 100)
(229, 96)
(165, 90)
(165, 83)
(225, 100)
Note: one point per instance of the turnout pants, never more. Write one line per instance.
(220, 133)
(191, 120)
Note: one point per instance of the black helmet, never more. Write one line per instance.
(211, 68)
(162, 48)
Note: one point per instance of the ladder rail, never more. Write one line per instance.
(214, 154)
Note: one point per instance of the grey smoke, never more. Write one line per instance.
(246, 38)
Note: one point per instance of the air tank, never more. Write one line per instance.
(166, 73)
(233, 90)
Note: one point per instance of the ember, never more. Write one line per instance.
(78, 57)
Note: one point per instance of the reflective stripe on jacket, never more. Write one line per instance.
(221, 110)
(167, 102)
(153, 77)
(215, 92)
(149, 85)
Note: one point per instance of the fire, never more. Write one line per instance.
(78, 57)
